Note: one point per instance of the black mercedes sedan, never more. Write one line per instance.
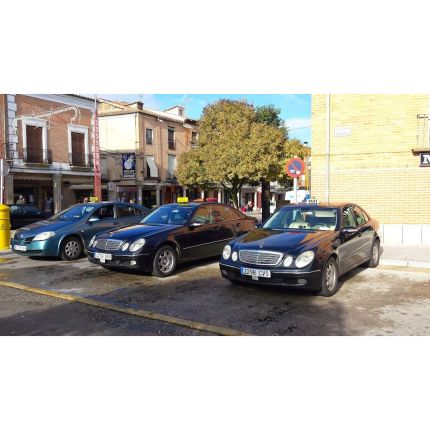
(171, 234)
(304, 246)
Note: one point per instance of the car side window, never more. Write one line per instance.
(348, 219)
(15, 209)
(217, 214)
(125, 210)
(202, 215)
(30, 210)
(360, 216)
(231, 214)
(104, 212)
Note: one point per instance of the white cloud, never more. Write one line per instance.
(293, 123)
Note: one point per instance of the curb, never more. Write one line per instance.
(405, 263)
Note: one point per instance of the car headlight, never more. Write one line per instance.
(137, 244)
(304, 259)
(93, 241)
(44, 236)
(234, 256)
(288, 260)
(226, 252)
(125, 246)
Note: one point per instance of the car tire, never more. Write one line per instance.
(330, 279)
(164, 262)
(71, 248)
(375, 253)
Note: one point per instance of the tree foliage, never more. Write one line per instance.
(238, 144)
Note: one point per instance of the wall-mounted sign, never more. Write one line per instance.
(342, 131)
(425, 159)
(128, 166)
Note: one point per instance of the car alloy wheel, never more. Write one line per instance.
(71, 249)
(164, 262)
(374, 255)
(330, 281)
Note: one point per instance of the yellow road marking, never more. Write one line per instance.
(140, 313)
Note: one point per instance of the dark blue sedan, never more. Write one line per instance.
(304, 246)
(67, 233)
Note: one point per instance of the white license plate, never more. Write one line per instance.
(255, 273)
(102, 256)
(20, 248)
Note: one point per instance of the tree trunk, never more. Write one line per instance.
(265, 200)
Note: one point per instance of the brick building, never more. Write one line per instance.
(366, 149)
(149, 141)
(48, 143)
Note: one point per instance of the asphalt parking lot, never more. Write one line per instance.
(49, 296)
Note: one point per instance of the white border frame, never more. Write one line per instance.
(35, 122)
(78, 129)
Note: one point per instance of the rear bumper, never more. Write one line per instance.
(310, 280)
(141, 262)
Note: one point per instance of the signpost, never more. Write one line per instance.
(294, 168)
(4, 170)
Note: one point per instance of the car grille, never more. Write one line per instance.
(262, 258)
(109, 244)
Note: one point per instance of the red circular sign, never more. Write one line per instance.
(295, 167)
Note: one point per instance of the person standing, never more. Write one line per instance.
(21, 200)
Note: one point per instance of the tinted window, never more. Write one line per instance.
(217, 214)
(360, 216)
(30, 210)
(348, 219)
(15, 210)
(124, 211)
(104, 212)
(73, 213)
(231, 214)
(171, 214)
(202, 215)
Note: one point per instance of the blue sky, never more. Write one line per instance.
(295, 108)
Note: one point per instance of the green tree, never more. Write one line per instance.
(234, 148)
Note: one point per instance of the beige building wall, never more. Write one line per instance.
(371, 163)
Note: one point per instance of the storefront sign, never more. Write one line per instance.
(128, 166)
(425, 159)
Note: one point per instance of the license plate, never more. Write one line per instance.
(255, 273)
(102, 256)
(20, 248)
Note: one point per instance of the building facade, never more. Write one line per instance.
(49, 145)
(139, 147)
(367, 149)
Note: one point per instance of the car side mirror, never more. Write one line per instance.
(94, 219)
(347, 231)
(195, 224)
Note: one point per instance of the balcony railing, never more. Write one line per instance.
(79, 159)
(37, 156)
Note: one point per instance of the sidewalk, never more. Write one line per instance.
(405, 255)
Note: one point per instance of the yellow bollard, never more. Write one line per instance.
(4, 227)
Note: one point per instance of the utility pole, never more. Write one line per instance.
(97, 171)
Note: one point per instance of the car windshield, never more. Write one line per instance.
(303, 218)
(73, 213)
(171, 214)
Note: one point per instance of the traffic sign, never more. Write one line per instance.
(295, 167)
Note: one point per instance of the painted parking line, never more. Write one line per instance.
(140, 313)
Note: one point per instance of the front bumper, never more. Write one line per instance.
(39, 248)
(310, 280)
(143, 261)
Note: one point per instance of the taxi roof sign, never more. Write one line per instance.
(182, 200)
(94, 199)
